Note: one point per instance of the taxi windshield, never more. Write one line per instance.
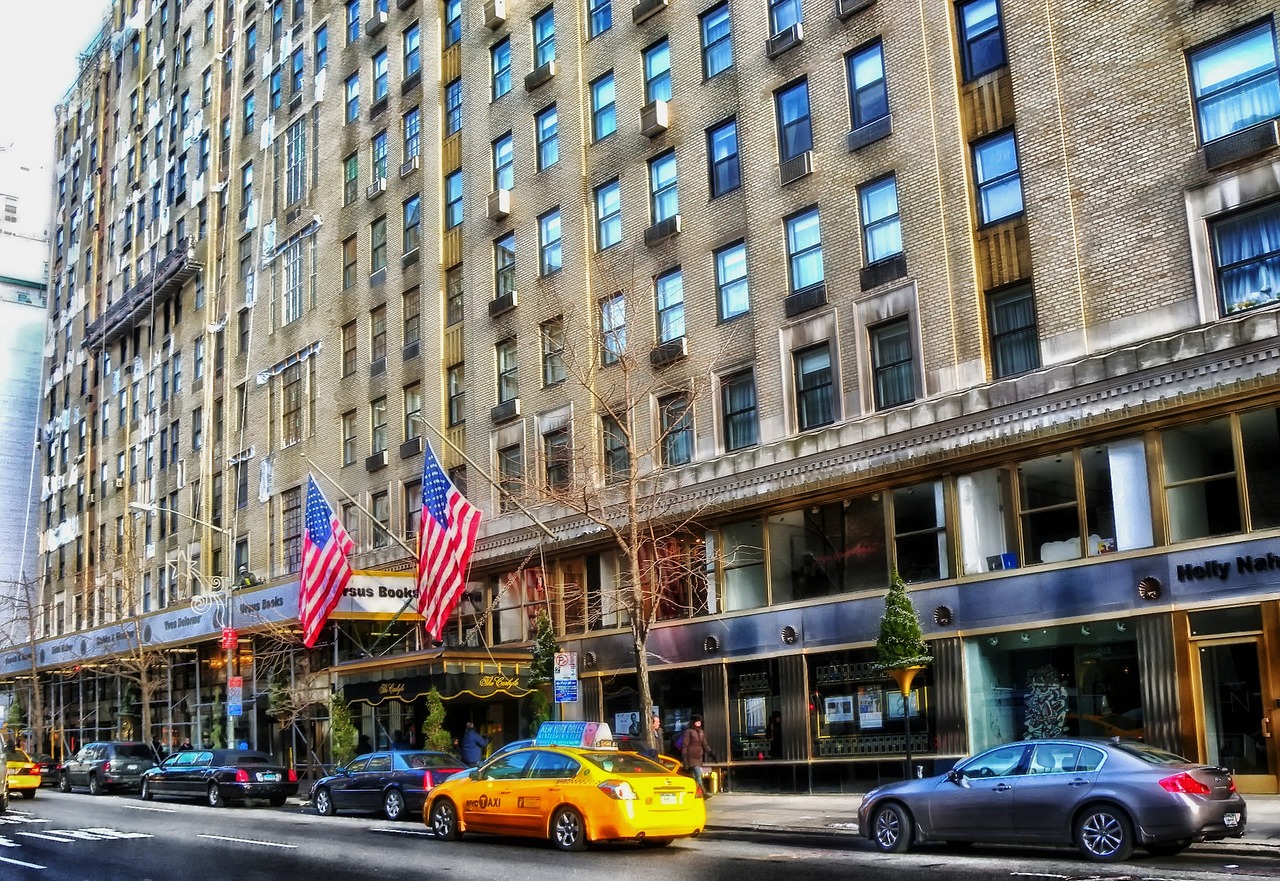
(624, 763)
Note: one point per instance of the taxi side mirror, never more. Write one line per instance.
(473, 774)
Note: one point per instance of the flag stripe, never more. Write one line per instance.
(446, 539)
(326, 571)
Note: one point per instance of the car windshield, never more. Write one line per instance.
(624, 763)
(429, 760)
(1150, 754)
(16, 755)
(134, 751)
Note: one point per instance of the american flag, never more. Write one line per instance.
(325, 567)
(446, 538)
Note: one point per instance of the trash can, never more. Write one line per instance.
(711, 782)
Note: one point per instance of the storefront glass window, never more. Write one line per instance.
(1200, 481)
(1260, 439)
(1053, 682)
(753, 701)
(676, 694)
(522, 596)
(741, 581)
(827, 550)
(986, 514)
(920, 533)
(858, 711)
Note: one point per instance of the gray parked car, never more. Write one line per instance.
(107, 765)
(1104, 796)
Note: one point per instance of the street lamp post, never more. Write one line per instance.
(223, 585)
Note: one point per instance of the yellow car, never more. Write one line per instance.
(24, 776)
(570, 795)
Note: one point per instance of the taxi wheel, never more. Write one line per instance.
(323, 802)
(215, 797)
(659, 842)
(393, 804)
(28, 793)
(64, 782)
(145, 793)
(444, 820)
(568, 832)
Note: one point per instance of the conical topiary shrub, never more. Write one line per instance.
(901, 642)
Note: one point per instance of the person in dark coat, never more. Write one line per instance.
(473, 744)
(364, 745)
(695, 751)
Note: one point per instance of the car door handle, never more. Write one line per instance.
(1079, 781)
(1001, 787)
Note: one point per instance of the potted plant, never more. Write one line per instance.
(901, 646)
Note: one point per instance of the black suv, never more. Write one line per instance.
(107, 765)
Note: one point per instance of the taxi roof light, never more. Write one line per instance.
(619, 789)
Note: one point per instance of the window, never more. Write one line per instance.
(412, 130)
(353, 21)
(815, 395)
(412, 223)
(558, 457)
(1201, 479)
(353, 97)
(717, 41)
(380, 507)
(296, 161)
(722, 151)
(378, 244)
(250, 46)
(349, 263)
(657, 72)
(1246, 250)
(676, 425)
(617, 454)
(891, 364)
(412, 51)
(453, 300)
(981, 37)
(546, 128)
(248, 113)
(665, 200)
(731, 281)
(599, 16)
(1015, 346)
(1235, 82)
(291, 405)
(553, 371)
(296, 69)
(276, 84)
(804, 250)
(504, 265)
(277, 21)
(294, 272)
(508, 388)
(995, 169)
(604, 111)
(544, 37)
(378, 333)
(783, 14)
(504, 175)
(452, 22)
(349, 436)
(608, 214)
(411, 316)
(668, 291)
(412, 411)
(378, 425)
(795, 131)
(453, 199)
(350, 178)
(246, 186)
(881, 230)
(457, 382)
(738, 403)
(868, 97)
(380, 84)
(500, 66)
(510, 475)
(321, 45)
(549, 258)
(613, 328)
(453, 107)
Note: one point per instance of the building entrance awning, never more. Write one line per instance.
(457, 674)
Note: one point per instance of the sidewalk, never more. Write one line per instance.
(838, 815)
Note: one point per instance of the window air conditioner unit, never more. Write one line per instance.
(499, 204)
(655, 117)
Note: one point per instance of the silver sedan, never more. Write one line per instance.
(1104, 796)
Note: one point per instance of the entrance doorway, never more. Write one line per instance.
(1235, 697)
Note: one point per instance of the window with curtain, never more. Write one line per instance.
(891, 364)
(1235, 82)
(738, 408)
(1246, 249)
(815, 391)
(1015, 344)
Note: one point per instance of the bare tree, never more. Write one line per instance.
(20, 614)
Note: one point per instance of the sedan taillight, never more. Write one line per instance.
(1185, 783)
(619, 789)
(242, 776)
(293, 775)
(427, 781)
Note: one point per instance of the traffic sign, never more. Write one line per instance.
(566, 677)
(228, 638)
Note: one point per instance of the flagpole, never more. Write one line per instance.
(361, 508)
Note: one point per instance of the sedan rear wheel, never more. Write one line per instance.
(444, 820)
(215, 797)
(146, 793)
(1103, 834)
(323, 802)
(568, 832)
(393, 804)
(891, 828)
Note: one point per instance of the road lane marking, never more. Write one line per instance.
(149, 808)
(404, 832)
(115, 833)
(62, 838)
(249, 841)
(21, 863)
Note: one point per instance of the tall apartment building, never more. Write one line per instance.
(978, 292)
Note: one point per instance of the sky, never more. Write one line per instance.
(40, 45)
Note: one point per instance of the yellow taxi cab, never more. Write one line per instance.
(570, 793)
(24, 775)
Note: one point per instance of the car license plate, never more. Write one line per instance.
(131, 767)
(269, 778)
(668, 798)
(1231, 820)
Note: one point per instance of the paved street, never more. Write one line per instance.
(80, 837)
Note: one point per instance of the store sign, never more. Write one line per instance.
(1221, 570)
(380, 594)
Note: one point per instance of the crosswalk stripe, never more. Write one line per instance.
(47, 836)
(21, 863)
